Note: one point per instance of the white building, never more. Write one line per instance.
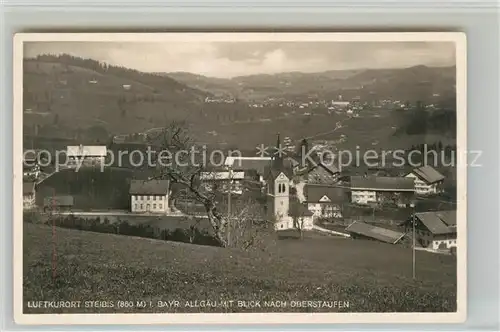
(427, 180)
(149, 196)
(86, 155)
(324, 201)
(381, 189)
(257, 164)
(340, 103)
(436, 230)
(28, 195)
(223, 181)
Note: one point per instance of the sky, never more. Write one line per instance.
(230, 59)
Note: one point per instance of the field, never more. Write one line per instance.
(111, 268)
(91, 188)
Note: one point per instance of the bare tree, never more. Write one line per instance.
(299, 214)
(248, 226)
(181, 161)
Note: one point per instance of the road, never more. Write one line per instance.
(119, 213)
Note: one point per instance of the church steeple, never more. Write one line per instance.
(277, 159)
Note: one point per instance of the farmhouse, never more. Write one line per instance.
(28, 195)
(149, 196)
(324, 201)
(323, 173)
(361, 230)
(435, 229)
(427, 180)
(224, 181)
(87, 155)
(382, 190)
(257, 164)
(64, 202)
(314, 168)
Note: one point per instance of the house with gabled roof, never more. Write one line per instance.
(149, 196)
(382, 190)
(311, 166)
(325, 201)
(427, 180)
(436, 230)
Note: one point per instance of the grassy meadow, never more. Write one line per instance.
(369, 276)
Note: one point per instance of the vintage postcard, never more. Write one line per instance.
(239, 178)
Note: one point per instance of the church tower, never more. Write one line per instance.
(278, 191)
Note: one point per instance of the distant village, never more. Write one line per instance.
(351, 106)
(298, 196)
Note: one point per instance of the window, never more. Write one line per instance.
(160, 206)
(154, 206)
(142, 206)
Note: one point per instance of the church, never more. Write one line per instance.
(282, 205)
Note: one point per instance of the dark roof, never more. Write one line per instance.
(314, 192)
(378, 233)
(382, 183)
(319, 174)
(439, 222)
(58, 201)
(317, 160)
(428, 174)
(149, 187)
(28, 188)
(331, 168)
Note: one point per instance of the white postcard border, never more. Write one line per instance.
(242, 318)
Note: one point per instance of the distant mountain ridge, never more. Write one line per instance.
(412, 84)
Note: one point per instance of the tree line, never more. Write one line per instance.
(192, 234)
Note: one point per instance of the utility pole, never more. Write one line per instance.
(54, 245)
(229, 212)
(414, 242)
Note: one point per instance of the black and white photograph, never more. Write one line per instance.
(234, 174)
